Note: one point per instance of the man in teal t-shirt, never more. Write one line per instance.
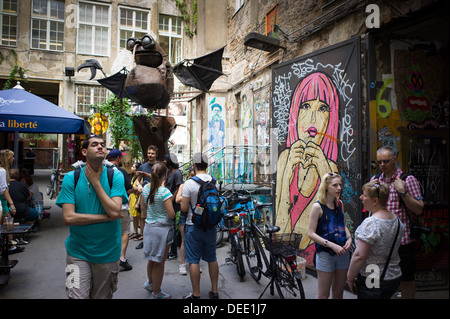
(92, 210)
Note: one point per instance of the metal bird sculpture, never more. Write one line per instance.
(94, 65)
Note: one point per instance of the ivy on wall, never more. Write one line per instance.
(189, 16)
(17, 73)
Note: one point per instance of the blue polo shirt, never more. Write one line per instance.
(100, 242)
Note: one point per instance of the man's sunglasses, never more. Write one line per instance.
(384, 161)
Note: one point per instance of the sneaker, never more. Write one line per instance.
(148, 286)
(125, 265)
(213, 295)
(182, 270)
(171, 256)
(191, 296)
(160, 295)
(16, 250)
(140, 246)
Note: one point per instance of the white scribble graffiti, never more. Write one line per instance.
(346, 137)
(281, 103)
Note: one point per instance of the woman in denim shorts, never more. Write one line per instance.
(332, 238)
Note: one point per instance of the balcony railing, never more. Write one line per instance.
(239, 164)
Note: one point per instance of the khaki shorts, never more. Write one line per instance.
(125, 222)
(85, 280)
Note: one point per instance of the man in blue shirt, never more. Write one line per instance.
(92, 209)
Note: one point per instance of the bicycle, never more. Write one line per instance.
(52, 186)
(280, 265)
(233, 221)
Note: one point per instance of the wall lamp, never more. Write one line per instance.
(261, 42)
(69, 71)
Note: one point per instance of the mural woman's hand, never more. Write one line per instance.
(296, 154)
(315, 157)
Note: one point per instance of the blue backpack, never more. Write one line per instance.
(208, 198)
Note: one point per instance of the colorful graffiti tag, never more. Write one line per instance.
(316, 100)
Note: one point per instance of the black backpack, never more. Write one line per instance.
(109, 171)
(208, 199)
(403, 176)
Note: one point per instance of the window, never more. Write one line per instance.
(132, 23)
(93, 29)
(239, 4)
(171, 37)
(47, 25)
(8, 22)
(89, 95)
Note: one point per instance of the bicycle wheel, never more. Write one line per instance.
(51, 189)
(219, 235)
(287, 281)
(236, 250)
(253, 257)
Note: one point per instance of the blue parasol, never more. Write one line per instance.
(21, 111)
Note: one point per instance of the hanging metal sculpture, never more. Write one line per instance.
(150, 82)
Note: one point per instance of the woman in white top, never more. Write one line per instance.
(157, 209)
(374, 239)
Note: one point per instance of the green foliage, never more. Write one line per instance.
(17, 73)
(120, 123)
(187, 14)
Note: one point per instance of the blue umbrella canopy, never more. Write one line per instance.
(21, 111)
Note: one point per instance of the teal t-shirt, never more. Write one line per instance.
(96, 243)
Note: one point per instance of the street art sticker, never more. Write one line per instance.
(316, 119)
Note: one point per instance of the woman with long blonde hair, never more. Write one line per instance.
(331, 237)
(6, 159)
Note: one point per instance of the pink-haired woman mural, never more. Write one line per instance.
(311, 152)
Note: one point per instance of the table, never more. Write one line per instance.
(5, 263)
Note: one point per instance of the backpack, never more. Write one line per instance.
(208, 199)
(403, 176)
(109, 171)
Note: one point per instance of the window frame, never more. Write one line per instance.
(133, 29)
(87, 107)
(93, 26)
(48, 20)
(10, 15)
(171, 35)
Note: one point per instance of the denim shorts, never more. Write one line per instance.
(182, 219)
(326, 262)
(199, 244)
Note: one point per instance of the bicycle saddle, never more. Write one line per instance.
(273, 229)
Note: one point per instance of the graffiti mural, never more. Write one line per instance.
(316, 118)
(216, 122)
(261, 105)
